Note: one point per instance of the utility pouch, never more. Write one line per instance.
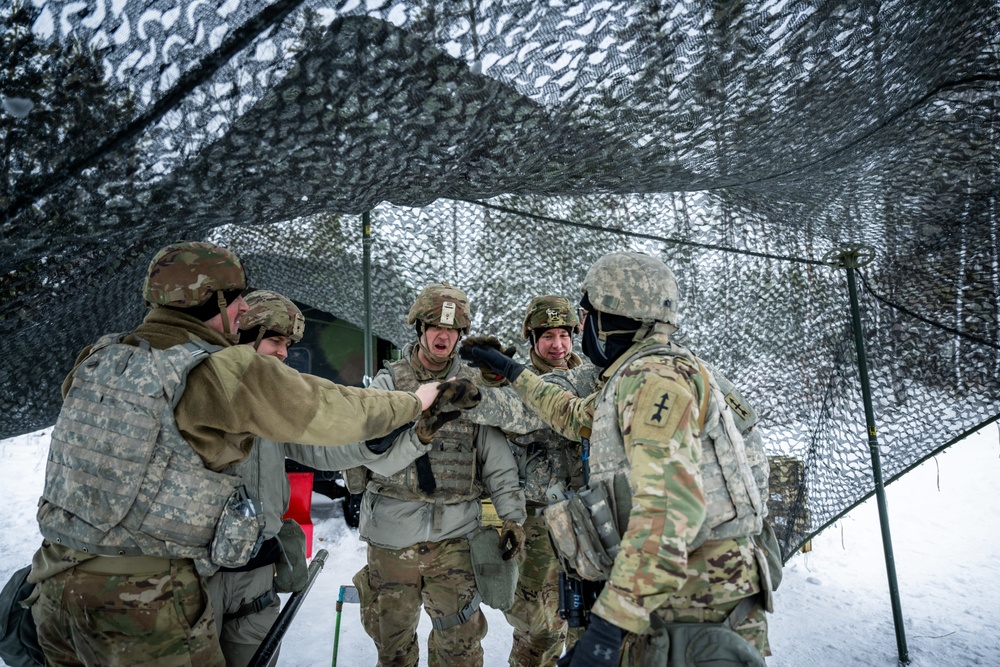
(238, 533)
(696, 645)
(291, 573)
(597, 501)
(355, 479)
(576, 540)
(767, 553)
(496, 578)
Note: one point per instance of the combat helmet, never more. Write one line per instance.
(188, 273)
(548, 312)
(633, 285)
(441, 305)
(271, 314)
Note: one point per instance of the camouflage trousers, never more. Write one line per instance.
(160, 620)
(539, 632)
(396, 582)
(753, 629)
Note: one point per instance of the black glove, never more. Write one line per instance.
(382, 445)
(599, 646)
(487, 352)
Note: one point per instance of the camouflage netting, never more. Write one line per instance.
(503, 146)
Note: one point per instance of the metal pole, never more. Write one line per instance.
(366, 268)
(851, 257)
(269, 646)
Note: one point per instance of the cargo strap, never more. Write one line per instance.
(255, 606)
(445, 622)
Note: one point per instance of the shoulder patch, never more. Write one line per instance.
(661, 404)
(735, 404)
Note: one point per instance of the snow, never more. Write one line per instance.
(832, 610)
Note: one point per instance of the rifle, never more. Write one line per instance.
(269, 646)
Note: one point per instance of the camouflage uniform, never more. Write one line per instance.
(651, 404)
(228, 398)
(417, 550)
(549, 466)
(245, 599)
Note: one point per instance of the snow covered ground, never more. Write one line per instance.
(832, 610)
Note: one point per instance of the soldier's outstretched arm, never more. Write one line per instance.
(566, 413)
(655, 407)
(240, 391)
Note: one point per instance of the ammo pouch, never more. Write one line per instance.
(238, 533)
(696, 645)
(355, 479)
(291, 574)
(584, 533)
(496, 578)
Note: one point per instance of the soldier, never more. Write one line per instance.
(672, 503)
(549, 465)
(138, 504)
(416, 522)
(245, 598)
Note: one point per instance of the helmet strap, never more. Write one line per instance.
(260, 336)
(220, 299)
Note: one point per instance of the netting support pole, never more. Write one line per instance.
(366, 269)
(850, 258)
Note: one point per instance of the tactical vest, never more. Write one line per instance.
(734, 507)
(548, 463)
(120, 478)
(452, 454)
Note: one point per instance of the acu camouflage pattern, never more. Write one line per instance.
(270, 311)
(452, 454)
(634, 285)
(158, 619)
(441, 305)
(188, 273)
(394, 585)
(120, 478)
(546, 312)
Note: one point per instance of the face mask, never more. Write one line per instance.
(593, 346)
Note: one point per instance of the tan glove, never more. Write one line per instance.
(453, 397)
(511, 539)
(461, 394)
